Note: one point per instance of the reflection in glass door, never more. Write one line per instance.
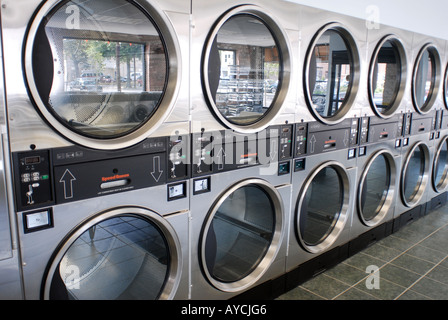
(322, 207)
(440, 168)
(124, 254)
(330, 68)
(99, 79)
(241, 235)
(340, 79)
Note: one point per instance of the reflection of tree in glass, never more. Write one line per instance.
(91, 54)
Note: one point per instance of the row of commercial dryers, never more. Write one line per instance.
(177, 149)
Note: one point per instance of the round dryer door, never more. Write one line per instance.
(440, 167)
(127, 253)
(376, 188)
(246, 69)
(241, 235)
(99, 71)
(322, 207)
(426, 79)
(331, 74)
(414, 177)
(387, 79)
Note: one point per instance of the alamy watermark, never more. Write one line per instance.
(373, 280)
(372, 17)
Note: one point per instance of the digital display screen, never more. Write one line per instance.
(32, 160)
(176, 191)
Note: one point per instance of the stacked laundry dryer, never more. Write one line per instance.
(326, 138)
(242, 139)
(98, 128)
(207, 149)
(381, 130)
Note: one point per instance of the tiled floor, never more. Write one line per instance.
(412, 265)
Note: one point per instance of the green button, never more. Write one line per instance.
(45, 177)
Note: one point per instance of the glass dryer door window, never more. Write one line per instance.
(246, 65)
(123, 256)
(331, 74)
(100, 68)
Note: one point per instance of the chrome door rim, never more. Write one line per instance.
(388, 202)
(269, 255)
(435, 89)
(169, 233)
(356, 65)
(337, 229)
(284, 49)
(403, 61)
(152, 124)
(419, 195)
(444, 184)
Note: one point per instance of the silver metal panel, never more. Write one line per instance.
(419, 41)
(374, 37)
(401, 205)
(297, 254)
(204, 16)
(23, 117)
(311, 21)
(358, 227)
(38, 247)
(202, 204)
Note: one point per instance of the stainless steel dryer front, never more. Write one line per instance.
(379, 163)
(242, 59)
(133, 247)
(239, 234)
(437, 195)
(417, 148)
(390, 70)
(332, 66)
(100, 74)
(323, 197)
(10, 280)
(97, 111)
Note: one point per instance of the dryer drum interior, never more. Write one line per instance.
(246, 68)
(99, 69)
(332, 73)
(440, 167)
(123, 254)
(322, 207)
(426, 78)
(241, 235)
(387, 78)
(415, 174)
(376, 188)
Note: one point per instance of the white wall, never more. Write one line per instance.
(424, 16)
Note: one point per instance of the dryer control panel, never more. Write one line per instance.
(314, 137)
(61, 175)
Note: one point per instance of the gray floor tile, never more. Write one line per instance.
(439, 273)
(427, 254)
(412, 263)
(431, 288)
(346, 273)
(398, 275)
(325, 286)
(387, 290)
(382, 252)
(299, 293)
(412, 295)
(355, 294)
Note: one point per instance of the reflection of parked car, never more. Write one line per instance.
(271, 87)
(91, 74)
(85, 85)
(105, 79)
